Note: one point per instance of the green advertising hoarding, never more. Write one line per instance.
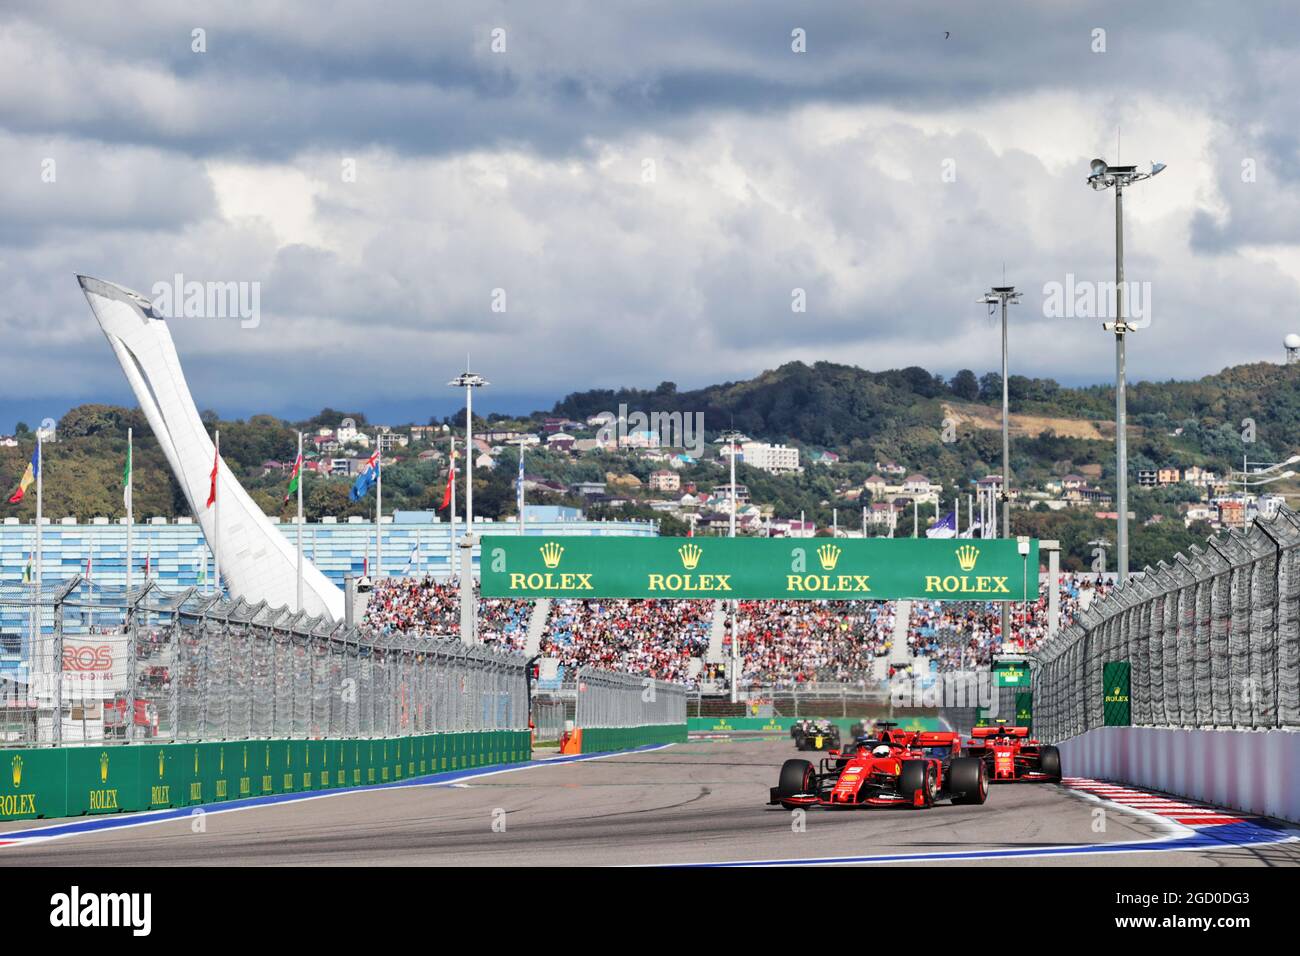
(952, 569)
(1115, 706)
(1025, 710)
(1010, 674)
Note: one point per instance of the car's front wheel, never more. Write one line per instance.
(968, 780)
(917, 776)
(1049, 762)
(797, 776)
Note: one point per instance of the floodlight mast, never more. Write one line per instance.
(1104, 176)
(1004, 295)
(469, 381)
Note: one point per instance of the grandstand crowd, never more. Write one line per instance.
(782, 643)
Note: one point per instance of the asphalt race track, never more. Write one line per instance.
(702, 802)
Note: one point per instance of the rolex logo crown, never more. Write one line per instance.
(103, 767)
(829, 556)
(690, 555)
(17, 765)
(967, 554)
(551, 553)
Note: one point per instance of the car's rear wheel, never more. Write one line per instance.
(1049, 762)
(968, 780)
(797, 776)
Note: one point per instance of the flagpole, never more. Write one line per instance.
(46, 659)
(130, 477)
(379, 508)
(451, 560)
(216, 517)
(298, 467)
(521, 490)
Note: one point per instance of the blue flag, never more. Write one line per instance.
(946, 528)
(361, 487)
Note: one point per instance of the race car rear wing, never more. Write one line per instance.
(979, 733)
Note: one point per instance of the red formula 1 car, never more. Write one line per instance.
(1011, 754)
(895, 769)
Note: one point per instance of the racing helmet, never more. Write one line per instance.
(880, 750)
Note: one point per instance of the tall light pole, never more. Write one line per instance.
(730, 438)
(1104, 176)
(1005, 295)
(469, 381)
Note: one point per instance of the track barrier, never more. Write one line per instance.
(72, 781)
(1246, 770)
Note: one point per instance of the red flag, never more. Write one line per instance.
(451, 474)
(212, 491)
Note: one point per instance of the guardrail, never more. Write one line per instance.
(95, 666)
(1208, 641)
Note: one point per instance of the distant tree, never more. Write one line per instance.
(990, 387)
(965, 385)
(22, 428)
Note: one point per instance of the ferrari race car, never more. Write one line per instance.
(815, 735)
(1009, 754)
(895, 769)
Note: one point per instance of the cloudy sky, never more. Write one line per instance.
(591, 194)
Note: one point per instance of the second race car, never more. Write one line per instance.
(897, 768)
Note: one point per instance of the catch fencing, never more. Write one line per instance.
(81, 663)
(1212, 641)
(611, 700)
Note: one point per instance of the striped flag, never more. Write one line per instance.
(33, 469)
(294, 479)
(451, 476)
(212, 489)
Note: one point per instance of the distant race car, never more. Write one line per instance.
(815, 735)
(1010, 754)
(895, 769)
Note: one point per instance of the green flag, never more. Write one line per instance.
(293, 480)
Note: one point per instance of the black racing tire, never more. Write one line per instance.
(968, 781)
(917, 775)
(797, 776)
(1049, 762)
(856, 731)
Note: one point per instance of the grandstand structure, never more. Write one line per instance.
(783, 644)
(414, 543)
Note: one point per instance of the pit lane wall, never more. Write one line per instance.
(71, 781)
(1252, 771)
(606, 739)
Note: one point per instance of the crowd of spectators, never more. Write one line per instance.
(966, 634)
(783, 643)
(656, 638)
(788, 643)
(427, 607)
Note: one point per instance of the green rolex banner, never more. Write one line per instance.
(951, 569)
(1025, 709)
(1115, 689)
(1010, 674)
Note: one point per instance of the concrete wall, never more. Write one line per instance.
(1252, 771)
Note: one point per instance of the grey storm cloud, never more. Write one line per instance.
(647, 185)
